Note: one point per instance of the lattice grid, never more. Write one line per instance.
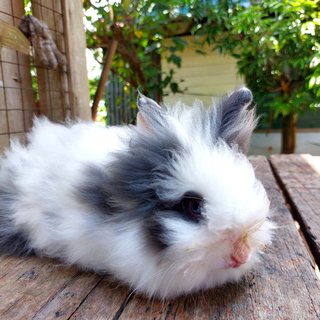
(26, 87)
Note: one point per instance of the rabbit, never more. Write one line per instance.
(170, 206)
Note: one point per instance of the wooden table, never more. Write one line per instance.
(285, 285)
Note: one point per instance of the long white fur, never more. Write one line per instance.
(199, 256)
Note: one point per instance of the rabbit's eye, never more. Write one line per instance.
(192, 206)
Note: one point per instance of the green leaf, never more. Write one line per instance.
(175, 59)
(174, 87)
(179, 43)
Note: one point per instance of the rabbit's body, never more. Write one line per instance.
(171, 206)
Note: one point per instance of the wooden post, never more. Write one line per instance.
(104, 78)
(77, 66)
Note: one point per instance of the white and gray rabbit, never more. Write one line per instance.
(170, 206)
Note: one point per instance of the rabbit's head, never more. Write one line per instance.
(185, 180)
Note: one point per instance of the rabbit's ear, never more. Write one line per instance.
(151, 115)
(237, 122)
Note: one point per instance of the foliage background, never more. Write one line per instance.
(276, 44)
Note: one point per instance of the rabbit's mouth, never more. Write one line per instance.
(241, 252)
(242, 247)
(235, 262)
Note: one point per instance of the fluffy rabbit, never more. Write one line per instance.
(170, 206)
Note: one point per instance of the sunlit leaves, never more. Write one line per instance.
(308, 28)
(140, 27)
(276, 44)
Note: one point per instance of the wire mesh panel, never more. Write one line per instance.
(17, 99)
(27, 87)
(52, 83)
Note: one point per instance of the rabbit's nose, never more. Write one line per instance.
(240, 253)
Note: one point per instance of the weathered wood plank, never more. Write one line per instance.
(300, 177)
(104, 302)
(29, 285)
(36, 288)
(68, 298)
(282, 286)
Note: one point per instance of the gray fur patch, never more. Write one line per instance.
(127, 183)
(12, 240)
(152, 114)
(237, 123)
(125, 189)
(156, 233)
(94, 192)
(229, 120)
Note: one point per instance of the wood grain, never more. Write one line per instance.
(35, 288)
(75, 50)
(300, 178)
(29, 285)
(104, 302)
(64, 303)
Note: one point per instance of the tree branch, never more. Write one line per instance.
(104, 78)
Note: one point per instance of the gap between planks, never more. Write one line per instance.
(84, 299)
(302, 230)
(123, 305)
(118, 313)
